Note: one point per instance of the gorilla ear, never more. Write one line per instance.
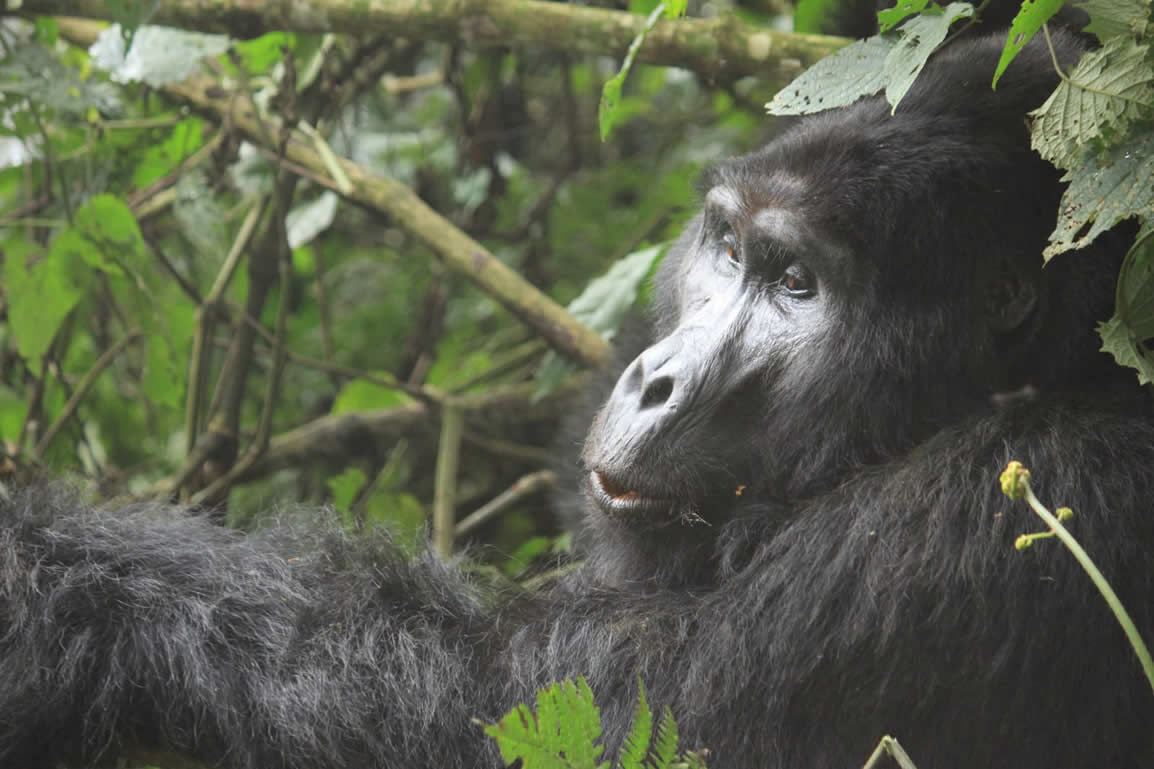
(1011, 297)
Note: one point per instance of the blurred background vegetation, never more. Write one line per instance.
(204, 300)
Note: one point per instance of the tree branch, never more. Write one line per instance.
(721, 48)
(461, 253)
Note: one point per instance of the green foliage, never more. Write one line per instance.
(609, 112)
(890, 61)
(1108, 187)
(812, 16)
(564, 734)
(1098, 125)
(1109, 89)
(1125, 335)
(602, 306)
(1032, 15)
(121, 209)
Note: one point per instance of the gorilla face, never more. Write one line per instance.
(863, 282)
(754, 291)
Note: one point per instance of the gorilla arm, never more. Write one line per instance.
(146, 627)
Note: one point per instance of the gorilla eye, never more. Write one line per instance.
(732, 250)
(798, 281)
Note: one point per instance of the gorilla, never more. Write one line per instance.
(798, 542)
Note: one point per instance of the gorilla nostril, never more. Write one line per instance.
(657, 392)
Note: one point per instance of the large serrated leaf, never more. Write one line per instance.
(920, 37)
(1109, 88)
(1115, 18)
(1104, 191)
(1032, 15)
(837, 80)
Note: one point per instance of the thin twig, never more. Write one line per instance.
(82, 389)
(525, 486)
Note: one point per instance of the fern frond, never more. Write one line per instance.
(640, 733)
(580, 728)
(666, 748)
(517, 736)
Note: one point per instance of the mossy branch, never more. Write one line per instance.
(721, 48)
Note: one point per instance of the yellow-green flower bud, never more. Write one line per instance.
(1064, 513)
(1014, 479)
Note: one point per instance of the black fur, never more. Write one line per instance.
(866, 583)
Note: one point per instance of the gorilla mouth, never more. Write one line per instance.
(617, 498)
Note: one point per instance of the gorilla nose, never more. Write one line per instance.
(650, 384)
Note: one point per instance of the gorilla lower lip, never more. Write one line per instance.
(619, 497)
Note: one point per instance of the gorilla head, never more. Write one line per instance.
(862, 282)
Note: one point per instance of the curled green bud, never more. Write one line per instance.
(1064, 513)
(1023, 541)
(1014, 479)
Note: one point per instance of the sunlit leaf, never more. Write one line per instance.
(1031, 16)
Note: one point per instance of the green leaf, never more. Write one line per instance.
(1103, 191)
(562, 735)
(525, 553)
(362, 395)
(666, 748)
(640, 733)
(890, 18)
(344, 488)
(1135, 296)
(42, 289)
(261, 53)
(812, 17)
(601, 306)
(920, 37)
(13, 410)
(675, 9)
(1032, 15)
(1115, 18)
(837, 80)
(169, 327)
(160, 159)
(1110, 88)
(1118, 340)
(1125, 335)
(607, 111)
